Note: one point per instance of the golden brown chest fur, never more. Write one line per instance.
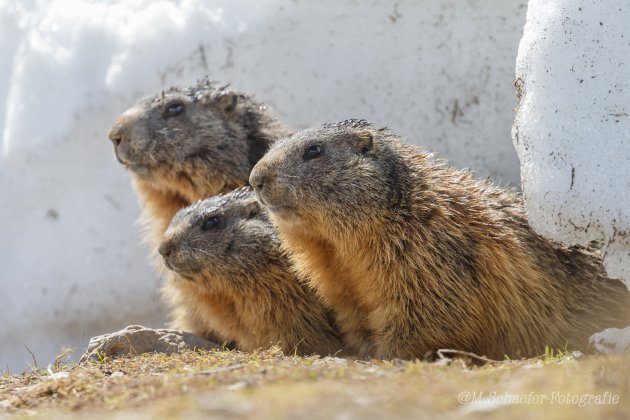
(486, 285)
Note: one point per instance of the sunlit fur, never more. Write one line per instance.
(239, 281)
(415, 256)
(208, 149)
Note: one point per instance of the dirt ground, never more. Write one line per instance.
(266, 384)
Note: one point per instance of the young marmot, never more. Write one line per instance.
(239, 281)
(186, 144)
(414, 256)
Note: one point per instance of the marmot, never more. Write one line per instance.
(414, 256)
(186, 144)
(239, 281)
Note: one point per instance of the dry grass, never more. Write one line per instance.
(267, 384)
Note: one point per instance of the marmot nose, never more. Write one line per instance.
(116, 134)
(166, 248)
(257, 179)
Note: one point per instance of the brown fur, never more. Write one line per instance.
(178, 158)
(240, 283)
(414, 256)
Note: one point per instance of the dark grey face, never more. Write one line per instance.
(327, 169)
(177, 127)
(224, 237)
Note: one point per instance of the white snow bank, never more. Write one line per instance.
(439, 72)
(572, 128)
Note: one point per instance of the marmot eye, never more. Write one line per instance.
(312, 151)
(253, 213)
(174, 109)
(210, 222)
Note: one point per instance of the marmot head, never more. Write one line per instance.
(202, 136)
(334, 173)
(224, 240)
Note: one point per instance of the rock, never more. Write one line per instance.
(136, 339)
(612, 341)
(577, 355)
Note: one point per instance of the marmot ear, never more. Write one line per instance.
(227, 101)
(365, 142)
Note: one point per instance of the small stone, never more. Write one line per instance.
(443, 362)
(59, 375)
(136, 339)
